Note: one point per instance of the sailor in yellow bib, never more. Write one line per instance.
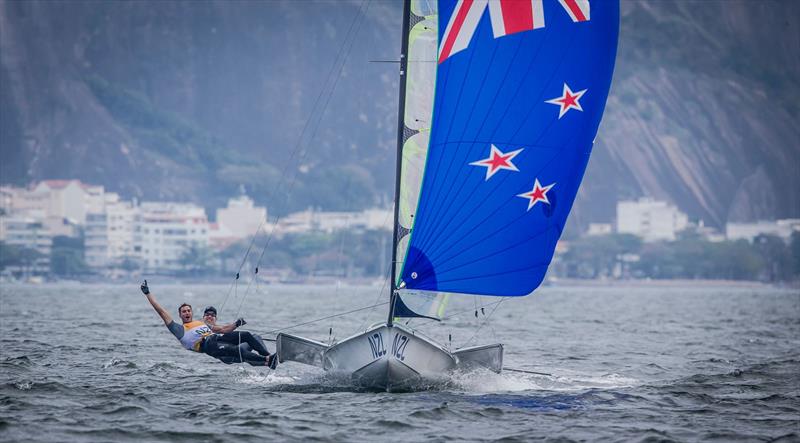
(194, 333)
(221, 342)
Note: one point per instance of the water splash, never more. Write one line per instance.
(264, 377)
(119, 362)
(484, 381)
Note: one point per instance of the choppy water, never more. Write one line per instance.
(629, 363)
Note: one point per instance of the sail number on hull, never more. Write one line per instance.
(376, 345)
(398, 346)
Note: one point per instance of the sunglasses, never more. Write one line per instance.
(209, 314)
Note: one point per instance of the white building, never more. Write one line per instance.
(599, 229)
(28, 233)
(109, 235)
(21, 202)
(7, 197)
(54, 200)
(220, 238)
(310, 220)
(95, 240)
(376, 218)
(68, 199)
(707, 232)
(121, 219)
(166, 232)
(241, 219)
(649, 219)
(749, 231)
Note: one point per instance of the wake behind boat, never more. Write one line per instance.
(499, 106)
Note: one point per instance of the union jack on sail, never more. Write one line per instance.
(507, 17)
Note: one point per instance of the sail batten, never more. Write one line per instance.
(420, 43)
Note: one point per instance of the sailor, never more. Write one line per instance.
(220, 342)
(235, 347)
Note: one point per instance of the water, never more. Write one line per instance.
(629, 363)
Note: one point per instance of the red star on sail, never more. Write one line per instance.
(497, 160)
(568, 100)
(537, 194)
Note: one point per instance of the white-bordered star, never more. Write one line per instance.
(537, 194)
(498, 160)
(568, 100)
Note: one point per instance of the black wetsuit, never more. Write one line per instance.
(236, 347)
(232, 347)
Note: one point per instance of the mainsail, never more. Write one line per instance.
(502, 101)
(417, 91)
(421, 43)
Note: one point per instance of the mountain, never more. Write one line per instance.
(704, 111)
(191, 100)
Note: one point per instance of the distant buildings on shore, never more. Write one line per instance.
(749, 231)
(121, 235)
(653, 220)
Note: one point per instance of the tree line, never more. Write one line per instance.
(365, 253)
(768, 258)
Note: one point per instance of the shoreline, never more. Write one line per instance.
(568, 282)
(375, 282)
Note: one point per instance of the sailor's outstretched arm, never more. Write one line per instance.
(161, 311)
(230, 327)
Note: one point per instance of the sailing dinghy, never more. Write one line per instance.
(500, 101)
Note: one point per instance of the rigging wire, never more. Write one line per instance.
(339, 255)
(497, 305)
(340, 61)
(480, 308)
(241, 265)
(375, 304)
(470, 310)
(333, 75)
(387, 271)
(284, 328)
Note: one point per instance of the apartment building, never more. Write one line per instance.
(109, 235)
(29, 233)
(165, 232)
(311, 220)
(749, 231)
(650, 219)
(241, 218)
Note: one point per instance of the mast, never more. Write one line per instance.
(400, 127)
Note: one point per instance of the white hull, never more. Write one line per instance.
(390, 358)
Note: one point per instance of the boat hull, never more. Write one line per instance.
(391, 358)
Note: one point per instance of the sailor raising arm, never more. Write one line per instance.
(220, 342)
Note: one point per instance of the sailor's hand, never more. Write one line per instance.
(144, 288)
(240, 322)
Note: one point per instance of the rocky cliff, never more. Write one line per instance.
(190, 100)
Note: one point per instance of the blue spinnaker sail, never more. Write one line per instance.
(519, 94)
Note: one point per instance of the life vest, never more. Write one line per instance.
(193, 333)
